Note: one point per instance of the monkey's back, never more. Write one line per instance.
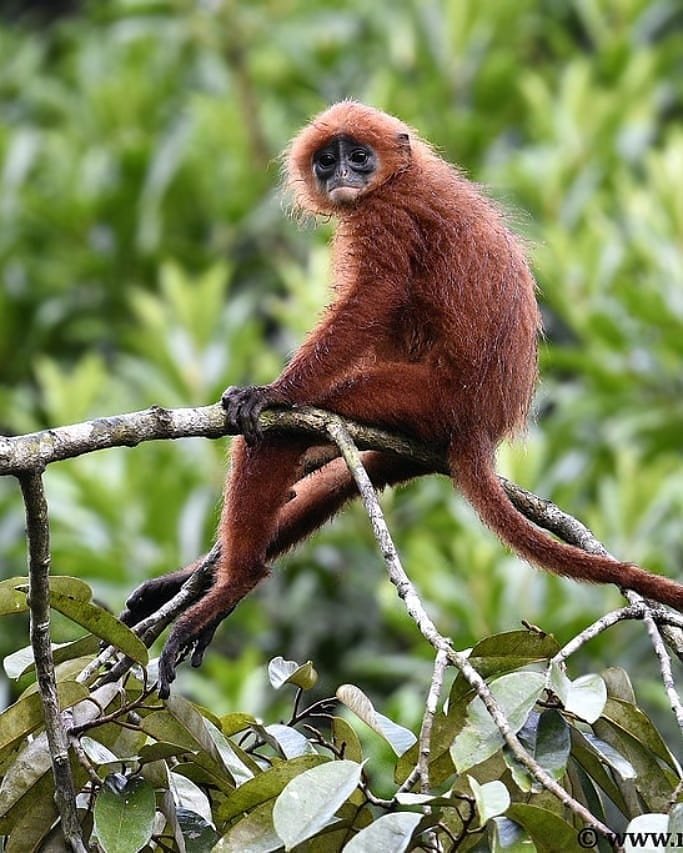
(464, 297)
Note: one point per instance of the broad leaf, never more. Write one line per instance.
(586, 698)
(124, 814)
(309, 802)
(25, 715)
(102, 624)
(549, 832)
(392, 832)
(281, 672)
(398, 737)
(504, 652)
(266, 786)
(290, 741)
(480, 738)
(492, 799)
(255, 833)
(22, 661)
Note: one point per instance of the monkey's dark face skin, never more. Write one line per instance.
(344, 168)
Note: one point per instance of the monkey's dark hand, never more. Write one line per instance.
(244, 405)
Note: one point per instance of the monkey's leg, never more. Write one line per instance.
(320, 495)
(315, 498)
(260, 482)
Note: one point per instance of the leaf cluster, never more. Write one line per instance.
(177, 777)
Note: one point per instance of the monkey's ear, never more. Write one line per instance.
(404, 140)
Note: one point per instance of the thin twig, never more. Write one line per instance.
(657, 639)
(38, 535)
(424, 741)
(409, 596)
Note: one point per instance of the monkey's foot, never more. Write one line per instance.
(181, 642)
(244, 405)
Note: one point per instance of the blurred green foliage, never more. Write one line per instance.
(145, 258)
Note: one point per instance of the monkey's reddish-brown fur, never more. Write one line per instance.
(432, 331)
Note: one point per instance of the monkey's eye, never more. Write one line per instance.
(326, 160)
(359, 157)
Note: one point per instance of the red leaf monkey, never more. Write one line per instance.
(432, 332)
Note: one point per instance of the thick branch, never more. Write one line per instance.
(28, 452)
(25, 453)
(38, 533)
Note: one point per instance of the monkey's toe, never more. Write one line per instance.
(170, 656)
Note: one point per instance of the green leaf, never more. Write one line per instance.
(231, 724)
(558, 682)
(198, 834)
(516, 693)
(234, 759)
(492, 799)
(255, 833)
(102, 625)
(13, 599)
(398, 737)
(97, 752)
(610, 756)
(594, 767)
(506, 836)
(345, 738)
(183, 724)
(632, 720)
(124, 814)
(392, 832)
(504, 652)
(619, 684)
(281, 672)
(290, 741)
(309, 802)
(189, 796)
(549, 832)
(266, 786)
(22, 661)
(25, 715)
(587, 697)
(547, 738)
(654, 781)
(30, 771)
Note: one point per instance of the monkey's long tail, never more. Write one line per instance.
(472, 468)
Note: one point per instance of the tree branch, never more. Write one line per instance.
(415, 608)
(38, 534)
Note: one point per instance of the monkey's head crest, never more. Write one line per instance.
(344, 154)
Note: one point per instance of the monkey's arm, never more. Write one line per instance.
(327, 357)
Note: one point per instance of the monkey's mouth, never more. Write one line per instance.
(344, 194)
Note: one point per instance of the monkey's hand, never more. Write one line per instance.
(244, 405)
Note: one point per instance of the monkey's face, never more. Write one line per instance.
(343, 168)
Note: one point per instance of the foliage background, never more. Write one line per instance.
(145, 258)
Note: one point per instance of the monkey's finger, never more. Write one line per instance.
(166, 672)
(252, 413)
(203, 642)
